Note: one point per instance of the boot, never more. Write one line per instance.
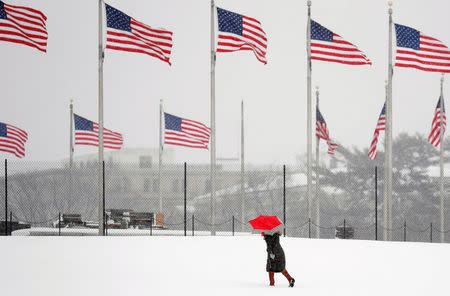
(271, 278)
(290, 279)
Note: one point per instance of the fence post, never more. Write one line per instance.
(404, 231)
(10, 223)
(151, 226)
(185, 197)
(376, 203)
(344, 230)
(105, 222)
(232, 225)
(193, 224)
(284, 200)
(6, 197)
(309, 227)
(59, 224)
(431, 232)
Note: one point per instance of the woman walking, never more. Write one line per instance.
(276, 261)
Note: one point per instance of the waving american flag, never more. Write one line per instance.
(86, 133)
(24, 25)
(417, 50)
(239, 32)
(185, 132)
(435, 135)
(127, 34)
(12, 139)
(381, 126)
(330, 47)
(323, 133)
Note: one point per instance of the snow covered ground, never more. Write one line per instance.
(229, 266)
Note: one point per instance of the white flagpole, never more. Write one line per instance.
(71, 155)
(317, 172)
(442, 159)
(100, 118)
(308, 106)
(389, 127)
(160, 154)
(71, 133)
(243, 217)
(213, 124)
(385, 202)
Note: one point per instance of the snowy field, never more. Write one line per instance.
(228, 266)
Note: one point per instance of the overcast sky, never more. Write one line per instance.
(36, 86)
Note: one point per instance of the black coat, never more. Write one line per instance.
(273, 247)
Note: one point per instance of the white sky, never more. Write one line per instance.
(37, 86)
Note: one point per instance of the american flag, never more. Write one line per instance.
(417, 50)
(239, 32)
(23, 25)
(435, 135)
(86, 133)
(381, 126)
(330, 47)
(127, 34)
(12, 139)
(323, 133)
(184, 132)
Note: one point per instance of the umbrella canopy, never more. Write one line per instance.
(265, 223)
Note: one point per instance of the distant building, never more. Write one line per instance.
(144, 157)
(131, 182)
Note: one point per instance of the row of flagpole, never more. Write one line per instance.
(388, 133)
(387, 206)
(116, 18)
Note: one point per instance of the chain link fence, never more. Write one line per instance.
(43, 198)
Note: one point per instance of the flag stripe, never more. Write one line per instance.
(338, 61)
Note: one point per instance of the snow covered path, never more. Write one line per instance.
(229, 266)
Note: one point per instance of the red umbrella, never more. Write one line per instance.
(265, 223)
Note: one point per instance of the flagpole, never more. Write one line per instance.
(100, 119)
(317, 172)
(308, 106)
(160, 154)
(441, 162)
(385, 202)
(389, 127)
(242, 170)
(213, 125)
(71, 154)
